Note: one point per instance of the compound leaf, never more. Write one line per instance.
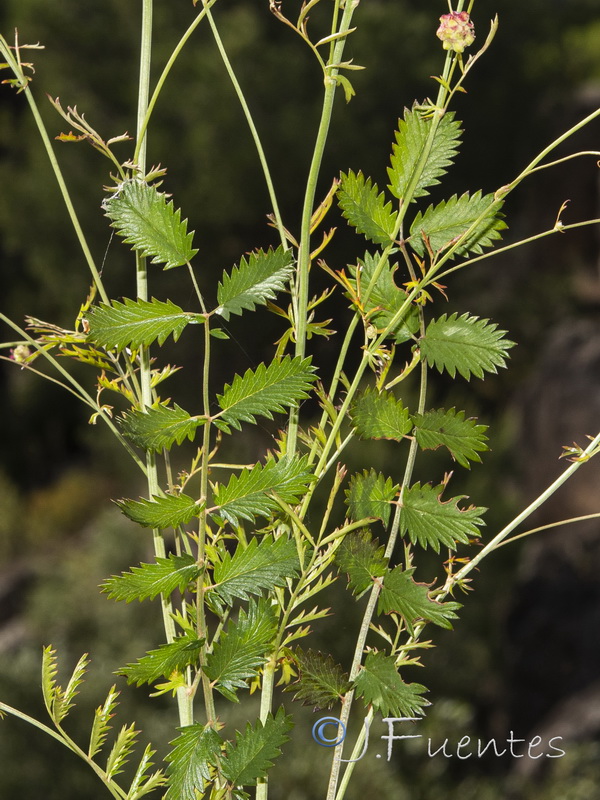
(161, 512)
(136, 323)
(380, 685)
(322, 682)
(365, 208)
(266, 390)
(249, 494)
(100, 727)
(464, 438)
(192, 760)
(150, 580)
(121, 750)
(370, 495)
(143, 783)
(363, 561)
(164, 660)
(252, 754)
(378, 415)
(240, 652)
(440, 226)
(254, 281)
(402, 595)
(150, 224)
(407, 164)
(465, 344)
(431, 522)
(159, 427)
(253, 568)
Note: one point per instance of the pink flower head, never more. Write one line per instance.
(456, 31)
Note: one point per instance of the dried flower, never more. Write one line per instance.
(20, 353)
(456, 31)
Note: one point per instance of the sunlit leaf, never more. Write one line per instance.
(410, 165)
(256, 280)
(465, 344)
(150, 224)
(366, 209)
(443, 224)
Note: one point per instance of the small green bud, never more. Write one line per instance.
(456, 31)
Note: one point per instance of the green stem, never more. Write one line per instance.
(253, 130)
(302, 282)
(209, 702)
(77, 389)
(183, 698)
(370, 609)
(6, 52)
(527, 512)
(65, 740)
(164, 75)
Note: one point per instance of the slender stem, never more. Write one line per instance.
(62, 737)
(184, 700)
(6, 52)
(548, 527)
(77, 389)
(527, 512)
(302, 283)
(209, 702)
(372, 605)
(164, 75)
(253, 130)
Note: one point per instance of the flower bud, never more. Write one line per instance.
(456, 31)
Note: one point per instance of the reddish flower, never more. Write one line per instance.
(456, 31)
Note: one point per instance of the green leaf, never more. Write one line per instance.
(100, 726)
(467, 344)
(49, 672)
(445, 223)
(249, 494)
(380, 685)
(150, 224)
(121, 750)
(322, 682)
(161, 512)
(59, 701)
(192, 761)
(240, 652)
(254, 281)
(370, 495)
(363, 561)
(253, 568)
(266, 390)
(411, 141)
(365, 208)
(431, 522)
(402, 595)
(167, 658)
(252, 755)
(142, 783)
(378, 415)
(159, 427)
(134, 323)
(385, 299)
(150, 580)
(464, 438)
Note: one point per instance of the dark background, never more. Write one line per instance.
(523, 654)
